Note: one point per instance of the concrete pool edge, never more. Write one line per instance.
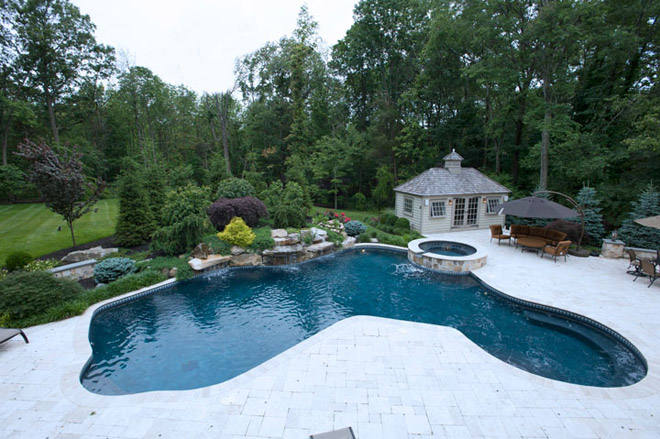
(150, 290)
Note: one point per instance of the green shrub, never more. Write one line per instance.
(360, 201)
(124, 285)
(402, 224)
(237, 233)
(109, 270)
(262, 239)
(25, 294)
(336, 238)
(388, 219)
(286, 205)
(235, 188)
(42, 265)
(184, 220)
(17, 261)
(364, 237)
(216, 245)
(183, 270)
(354, 228)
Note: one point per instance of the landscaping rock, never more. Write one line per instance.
(319, 232)
(246, 259)
(211, 261)
(283, 250)
(236, 250)
(278, 233)
(349, 242)
(287, 240)
(201, 251)
(172, 272)
(374, 240)
(320, 248)
(92, 253)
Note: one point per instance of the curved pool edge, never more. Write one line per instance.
(135, 295)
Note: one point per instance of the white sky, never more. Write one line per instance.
(196, 42)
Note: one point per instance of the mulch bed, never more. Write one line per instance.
(104, 242)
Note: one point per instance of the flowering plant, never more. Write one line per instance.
(343, 219)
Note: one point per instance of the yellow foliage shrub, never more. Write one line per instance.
(237, 233)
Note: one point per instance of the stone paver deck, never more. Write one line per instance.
(385, 378)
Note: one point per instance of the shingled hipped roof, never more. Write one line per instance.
(441, 182)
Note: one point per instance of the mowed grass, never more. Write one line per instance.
(33, 228)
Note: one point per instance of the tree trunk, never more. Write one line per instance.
(73, 237)
(5, 138)
(53, 123)
(545, 136)
(222, 115)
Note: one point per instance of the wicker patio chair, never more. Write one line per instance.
(561, 249)
(497, 233)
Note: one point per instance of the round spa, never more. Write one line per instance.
(446, 256)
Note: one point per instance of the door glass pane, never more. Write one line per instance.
(459, 212)
(472, 211)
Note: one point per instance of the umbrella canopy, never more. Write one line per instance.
(651, 221)
(535, 207)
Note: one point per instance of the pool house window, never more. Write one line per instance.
(493, 204)
(407, 205)
(438, 209)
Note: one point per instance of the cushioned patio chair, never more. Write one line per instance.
(560, 249)
(496, 232)
(635, 263)
(9, 333)
(649, 269)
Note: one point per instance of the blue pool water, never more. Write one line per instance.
(212, 328)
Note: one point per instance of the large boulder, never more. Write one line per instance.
(278, 233)
(92, 253)
(201, 251)
(246, 259)
(292, 239)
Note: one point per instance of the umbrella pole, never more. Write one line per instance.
(574, 204)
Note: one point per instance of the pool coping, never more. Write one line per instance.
(74, 391)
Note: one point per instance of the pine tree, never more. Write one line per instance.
(136, 222)
(636, 235)
(593, 220)
(156, 189)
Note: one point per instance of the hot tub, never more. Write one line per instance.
(445, 256)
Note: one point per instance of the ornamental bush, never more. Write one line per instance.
(354, 228)
(237, 233)
(184, 220)
(388, 219)
(112, 269)
(262, 240)
(25, 294)
(17, 261)
(402, 224)
(235, 188)
(286, 205)
(250, 209)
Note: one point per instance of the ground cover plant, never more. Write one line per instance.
(38, 231)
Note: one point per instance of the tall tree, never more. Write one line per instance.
(56, 50)
(61, 181)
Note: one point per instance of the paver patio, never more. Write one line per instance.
(385, 378)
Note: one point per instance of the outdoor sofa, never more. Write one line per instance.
(550, 236)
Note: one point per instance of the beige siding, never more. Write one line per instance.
(416, 217)
(421, 220)
(437, 225)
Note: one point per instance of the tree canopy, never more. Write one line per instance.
(554, 94)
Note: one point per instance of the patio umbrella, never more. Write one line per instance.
(651, 221)
(536, 207)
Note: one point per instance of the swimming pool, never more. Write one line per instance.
(214, 327)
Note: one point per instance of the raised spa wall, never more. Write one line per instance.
(448, 264)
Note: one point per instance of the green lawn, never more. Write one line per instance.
(33, 228)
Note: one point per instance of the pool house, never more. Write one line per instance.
(450, 198)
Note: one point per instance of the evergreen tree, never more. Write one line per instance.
(593, 220)
(154, 183)
(636, 235)
(135, 223)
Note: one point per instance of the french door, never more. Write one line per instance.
(466, 211)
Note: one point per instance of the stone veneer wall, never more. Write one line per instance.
(447, 265)
(78, 271)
